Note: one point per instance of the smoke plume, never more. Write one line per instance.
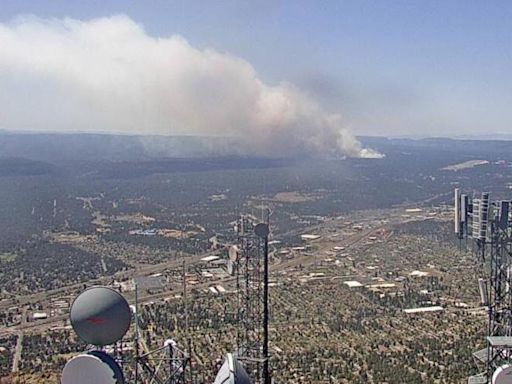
(109, 75)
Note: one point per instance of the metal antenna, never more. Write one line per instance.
(252, 273)
(489, 227)
(185, 305)
(137, 352)
(266, 371)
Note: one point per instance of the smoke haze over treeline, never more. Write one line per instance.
(109, 75)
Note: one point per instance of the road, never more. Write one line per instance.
(17, 353)
(301, 259)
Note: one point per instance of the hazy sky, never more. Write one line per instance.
(388, 67)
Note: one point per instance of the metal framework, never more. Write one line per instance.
(165, 365)
(252, 287)
(488, 224)
(169, 364)
(500, 295)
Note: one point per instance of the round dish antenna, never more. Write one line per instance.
(233, 253)
(100, 316)
(502, 375)
(261, 230)
(95, 367)
(170, 342)
(232, 372)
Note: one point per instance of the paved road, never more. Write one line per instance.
(302, 259)
(17, 353)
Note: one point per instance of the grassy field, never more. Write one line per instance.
(7, 257)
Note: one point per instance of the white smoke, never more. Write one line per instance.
(109, 75)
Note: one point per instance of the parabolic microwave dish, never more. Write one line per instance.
(233, 253)
(232, 372)
(100, 316)
(95, 367)
(502, 375)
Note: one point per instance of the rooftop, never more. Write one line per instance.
(353, 284)
(424, 309)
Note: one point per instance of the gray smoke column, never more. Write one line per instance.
(109, 75)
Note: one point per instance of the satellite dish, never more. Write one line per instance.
(232, 372)
(233, 253)
(502, 375)
(261, 230)
(95, 367)
(170, 342)
(100, 316)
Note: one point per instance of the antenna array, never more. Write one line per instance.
(488, 224)
(101, 316)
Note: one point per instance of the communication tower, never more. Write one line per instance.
(488, 224)
(165, 365)
(252, 273)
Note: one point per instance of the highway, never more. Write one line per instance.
(324, 245)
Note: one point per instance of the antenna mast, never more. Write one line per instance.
(253, 300)
(489, 225)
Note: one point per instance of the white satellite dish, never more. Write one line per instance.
(95, 367)
(172, 354)
(233, 253)
(170, 342)
(232, 372)
(502, 375)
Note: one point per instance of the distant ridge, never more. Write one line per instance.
(486, 137)
(59, 148)
(85, 146)
(15, 166)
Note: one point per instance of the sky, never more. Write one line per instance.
(391, 68)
